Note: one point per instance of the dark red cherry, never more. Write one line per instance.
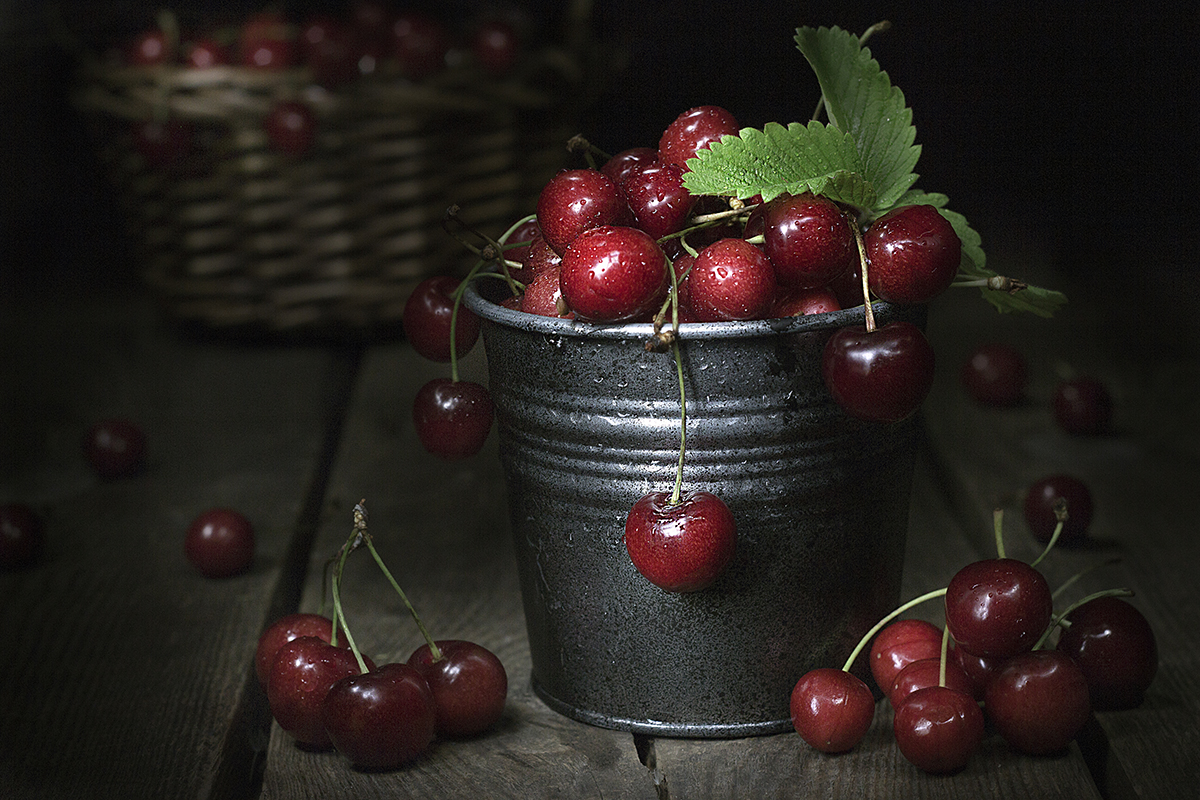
(577, 200)
(469, 686)
(614, 274)
(1041, 498)
(623, 163)
(801, 302)
(693, 130)
(998, 607)
(452, 418)
(995, 375)
(927, 672)
(22, 536)
(421, 44)
(427, 317)
(1115, 647)
(495, 45)
(1038, 701)
(1083, 406)
(809, 240)
(899, 644)
(656, 196)
(150, 48)
(913, 254)
(684, 546)
(831, 709)
(543, 295)
(291, 127)
(881, 375)
(219, 543)
(382, 719)
(116, 448)
(938, 728)
(206, 53)
(731, 279)
(979, 669)
(284, 630)
(301, 675)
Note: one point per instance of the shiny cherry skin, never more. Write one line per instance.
(995, 374)
(541, 257)
(1083, 406)
(684, 546)
(1040, 499)
(576, 200)
(301, 675)
(427, 316)
(731, 280)
(657, 197)
(22, 536)
(1038, 701)
(979, 669)
(809, 240)
(452, 418)
(469, 686)
(284, 630)
(219, 543)
(206, 53)
(518, 243)
(543, 295)
(495, 46)
(899, 644)
(938, 728)
(913, 254)
(115, 448)
(382, 719)
(619, 167)
(614, 274)
(831, 709)
(1114, 645)
(148, 49)
(881, 375)
(693, 130)
(998, 607)
(801, 302)
(291, 127)
(927, 672)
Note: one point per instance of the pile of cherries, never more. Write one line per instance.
(991, 662)
(367, 38)
(326, 694)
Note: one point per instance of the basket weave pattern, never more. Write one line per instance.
(242, 235)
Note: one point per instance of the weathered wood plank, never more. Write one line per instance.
(1143, 479)
(443, 530)
(124, 672)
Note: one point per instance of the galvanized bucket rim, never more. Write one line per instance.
(554, 326)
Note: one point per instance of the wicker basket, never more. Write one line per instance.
(242, 236)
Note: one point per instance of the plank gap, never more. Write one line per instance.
(648, 755)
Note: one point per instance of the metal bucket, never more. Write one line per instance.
(588, 422)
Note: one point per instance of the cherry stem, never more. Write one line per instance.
(878, 626)
(866, 289)
(1060, 516)
(1059, 619)
(945, 650)
(678, 492)
(997, 283)
(360, 528)
(878, 27)
(1072, 580)
(580, 144)
(339, 615)
(998, 531)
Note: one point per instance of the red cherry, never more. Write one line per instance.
(1114, 646)
(1038, 702)
(206, 53)
(291, 127)
(614, 274)
(619, 167)
(928, 672)
(684, 546)
(576, 200)
(937, 728)
(427, 316)
(979, 669)
(995, 375)
(881, 375)
(913, 254)
(656, 195)
(220, 543)
(899, 644)
(526, 232)
(421, 44)
(1083, 406)
(301, 675)
(22, 536)
(541, 257)
(495, 45)
(832, 709)
(149, 49)
(542, 295)
(284, 630)
(265, 42)
(116, 448)
(800, 302)
(809, 240)
(164, 144)
(998, 607)
(693, 130)
(469, 686)
(380, 719)
(452, 418)
(1041, 498)
(731, 280)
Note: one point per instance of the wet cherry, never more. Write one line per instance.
(898, 645)
(452, 418)
(469, 686)
(284, 630)
(881, 375)
(427, 317)
(302, 673)
(997, 607)
(684, 546)
(380, 719)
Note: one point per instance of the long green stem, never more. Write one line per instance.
(1069, 582)
(339, 616)
(1060, 519)
(945, 650)
(678, 493)
(878, 626)
(998, 531)
(434, 650)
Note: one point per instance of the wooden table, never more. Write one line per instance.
(123, 673)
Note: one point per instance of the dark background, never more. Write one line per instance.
(1069, 123)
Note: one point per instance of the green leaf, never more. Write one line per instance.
(860, 100)
(776, 160)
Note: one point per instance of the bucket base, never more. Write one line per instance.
(675, 730)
